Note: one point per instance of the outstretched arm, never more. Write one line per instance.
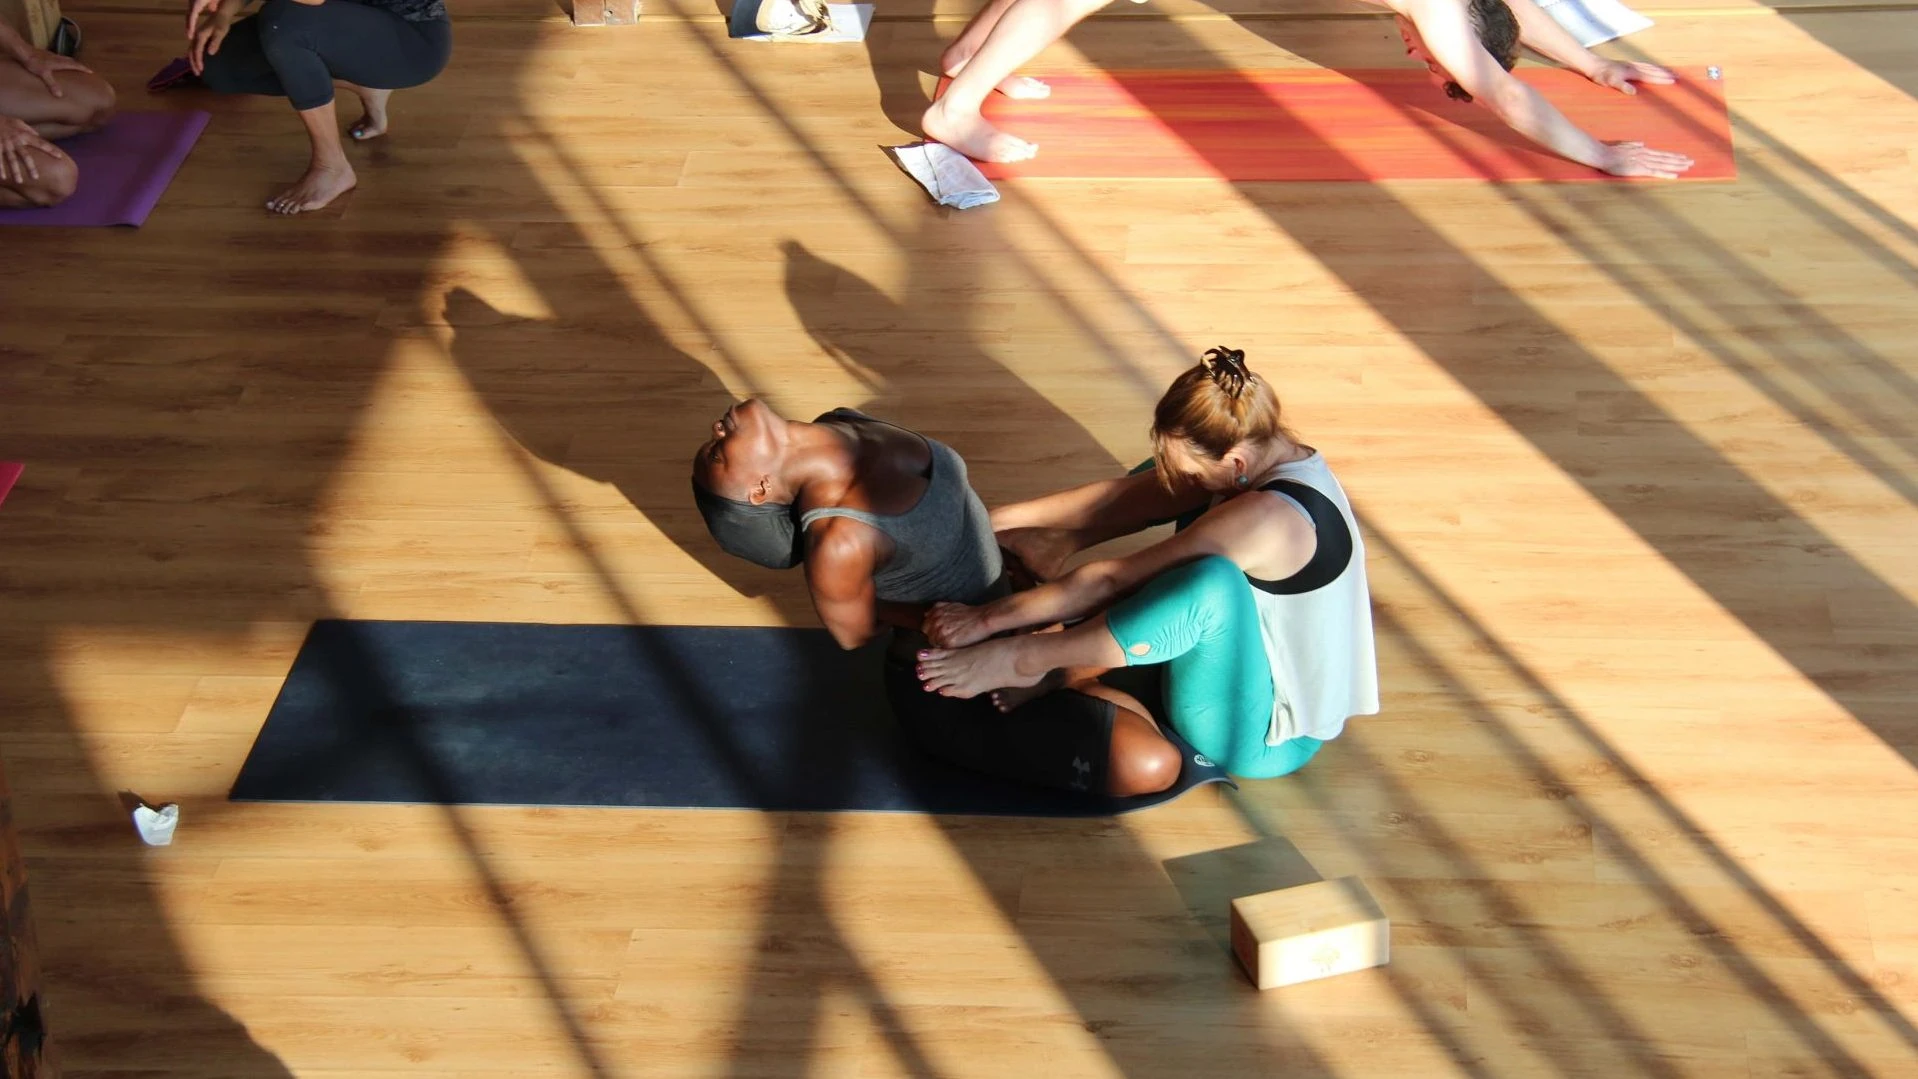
(1542, 34)
(1249, 531)
(1107, 508)
(1449, 37)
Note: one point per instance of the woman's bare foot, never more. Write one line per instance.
(968, 672)
(373, 124)
(321, 185)
(972, 136)
(1043, 550)
(1023, 88)
(1006, 700)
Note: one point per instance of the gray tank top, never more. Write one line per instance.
(943, 547)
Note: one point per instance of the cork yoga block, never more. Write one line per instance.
(1312, 931)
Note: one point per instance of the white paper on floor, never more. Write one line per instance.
(156, 826)
(947, 175)
(1594, 22)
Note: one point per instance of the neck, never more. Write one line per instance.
(1279, 451)
(821, 462)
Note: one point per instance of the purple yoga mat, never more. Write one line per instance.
(124, 168)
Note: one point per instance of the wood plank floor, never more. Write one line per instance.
(1637, 463)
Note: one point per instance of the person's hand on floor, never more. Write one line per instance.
(20, 144)
(1621, 74)
(44, 65)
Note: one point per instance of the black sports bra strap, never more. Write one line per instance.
(1334, 551)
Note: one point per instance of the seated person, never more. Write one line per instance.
(44, 97)
(1257, 606)
(297, 49)
(1470, 46)
(885, 524)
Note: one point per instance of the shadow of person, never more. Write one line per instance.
(1017, 444)
(617, 403)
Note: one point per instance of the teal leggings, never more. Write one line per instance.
(1200, 620)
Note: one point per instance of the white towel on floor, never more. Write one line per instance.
(947, 175)
(849, 23)
(1594, 22)
(156, 826)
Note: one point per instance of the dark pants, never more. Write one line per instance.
(296, 50)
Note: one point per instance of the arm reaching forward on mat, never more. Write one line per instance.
(1475, 43)
(1542, 34)
(1045, 531)
(1259, 534)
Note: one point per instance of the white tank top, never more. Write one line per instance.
(1319, 641)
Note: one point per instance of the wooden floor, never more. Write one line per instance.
(1637, 463)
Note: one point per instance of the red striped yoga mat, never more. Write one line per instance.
(1314, 124)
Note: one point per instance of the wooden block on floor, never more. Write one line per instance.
(605, 12)
(1312, 931)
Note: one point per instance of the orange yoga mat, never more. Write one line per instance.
(1315, 124)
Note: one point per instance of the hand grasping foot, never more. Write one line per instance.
(321, 185)
(968, 672)
(973, 137)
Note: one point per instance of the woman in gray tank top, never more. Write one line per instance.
(886, 525)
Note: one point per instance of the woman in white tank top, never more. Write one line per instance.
(1257, 605)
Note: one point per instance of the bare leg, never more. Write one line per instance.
(1142, 760)
(328, 176)
(56, 179)
(1017, 662)
(85, 102)
(372, 124)
(957, 54)
(1021, 33)
(1043, 550)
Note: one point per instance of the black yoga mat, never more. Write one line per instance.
(665, 716)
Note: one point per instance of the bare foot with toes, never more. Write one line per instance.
(968, 672)
(321, 185)
(973, 137)
(373, 124)
(1007, 700)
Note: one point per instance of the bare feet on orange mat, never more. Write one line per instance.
(1005, 700)
(373, 124)
(321, 185)
(972, 136)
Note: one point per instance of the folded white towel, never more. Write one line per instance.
(1594, 22)
(156, 826)
(947, 175)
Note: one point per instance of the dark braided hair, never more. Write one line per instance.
(1497, 30)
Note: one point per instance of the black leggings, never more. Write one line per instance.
(1062, 740)
(296, 50)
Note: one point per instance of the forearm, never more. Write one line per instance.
(1528, 113)
(1542, 34)
(12, 44)
(899, 615)
(1075, 595)
(1072, 509)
